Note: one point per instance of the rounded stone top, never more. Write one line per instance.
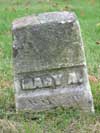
(42, 18)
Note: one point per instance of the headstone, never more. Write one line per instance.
(49, 63)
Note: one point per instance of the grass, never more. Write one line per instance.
(58, 120)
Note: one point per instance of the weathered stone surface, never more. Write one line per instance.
(49, 63)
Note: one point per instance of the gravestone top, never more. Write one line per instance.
(58, 17)
(50, 51)
(49, 63)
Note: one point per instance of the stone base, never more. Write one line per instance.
(65, 97)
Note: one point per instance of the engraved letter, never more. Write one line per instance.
(47, 82)
(27, 83)
(74, 78)
(57, 79)
(37, 83)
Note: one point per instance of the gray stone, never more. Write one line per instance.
(49, 63)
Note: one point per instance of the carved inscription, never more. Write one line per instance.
(37, 83)
(27, 83)
(47, 82)
(57, 78)
(74, 78)
(50, 81)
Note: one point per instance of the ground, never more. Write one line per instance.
(58, 120)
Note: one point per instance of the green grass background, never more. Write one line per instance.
(58, 120)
